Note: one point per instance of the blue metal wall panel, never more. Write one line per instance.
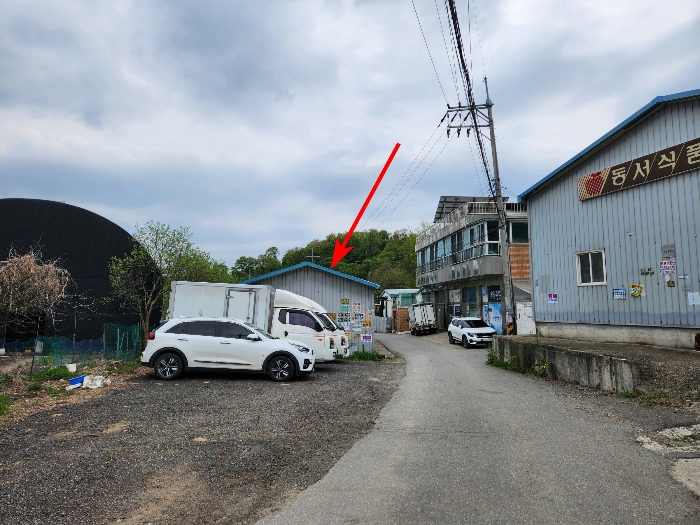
(630, 225)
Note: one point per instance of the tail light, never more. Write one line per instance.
(332, 343)
(151, 336)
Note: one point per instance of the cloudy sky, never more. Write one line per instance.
(266, 123)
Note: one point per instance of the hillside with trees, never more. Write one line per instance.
(387, 259)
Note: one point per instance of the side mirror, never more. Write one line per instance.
(253, 337)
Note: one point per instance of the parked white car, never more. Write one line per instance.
(221, 343)
(469, 331)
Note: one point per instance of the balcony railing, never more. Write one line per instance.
(471, 208)
(487, 248)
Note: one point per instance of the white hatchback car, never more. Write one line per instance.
(469, 331)
(219, 343)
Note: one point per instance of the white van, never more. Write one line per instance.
(306, 321)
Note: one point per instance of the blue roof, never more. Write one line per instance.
(312, 265)
(658, 101)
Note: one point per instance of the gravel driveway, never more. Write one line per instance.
(207, 448)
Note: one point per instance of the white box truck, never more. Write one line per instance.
(421, 318)
(250, 303)
(281, 313)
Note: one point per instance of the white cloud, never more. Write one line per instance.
(260, 126)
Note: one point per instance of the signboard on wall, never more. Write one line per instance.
(496, 317)
(649, 168)
(356, 307)
(495, 295)
(636, 290)
(552, 298)
(667, 267)
(620, 294)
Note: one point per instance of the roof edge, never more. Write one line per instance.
(311, 265)
(656, 102)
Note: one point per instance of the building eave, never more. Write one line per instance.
(611, 135)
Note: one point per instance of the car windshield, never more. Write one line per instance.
(259, 330)
(328, 320)
(476, 323)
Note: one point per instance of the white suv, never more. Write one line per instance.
(219, 343)
(469, 331)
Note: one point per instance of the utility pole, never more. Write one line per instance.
(503, 238)
(482, 117)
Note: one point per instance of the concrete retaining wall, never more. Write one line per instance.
(669, 337)
(595, 370)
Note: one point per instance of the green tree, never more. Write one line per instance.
(377, 255)
(161, 255)
(137, 284)
(249, 267)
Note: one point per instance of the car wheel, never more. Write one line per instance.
(280, 368)
(413, 332)
(449, 338)
(465, 342)
(168, 366)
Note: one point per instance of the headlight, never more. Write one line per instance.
(299, 346)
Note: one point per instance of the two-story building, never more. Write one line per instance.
(459, 264)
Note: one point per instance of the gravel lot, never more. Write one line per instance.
(207, 448)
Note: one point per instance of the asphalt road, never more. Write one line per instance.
(463, 442)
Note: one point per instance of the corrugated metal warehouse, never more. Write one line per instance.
(613, 232)
(325, 286)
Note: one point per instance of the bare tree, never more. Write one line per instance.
(29, 287)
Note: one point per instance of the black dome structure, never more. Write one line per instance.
(84, 242)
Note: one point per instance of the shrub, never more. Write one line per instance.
(50, 374)
(5, 402)
(364, 356)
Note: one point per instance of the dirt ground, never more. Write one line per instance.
(206, 448)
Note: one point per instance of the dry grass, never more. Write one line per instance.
(27, 396)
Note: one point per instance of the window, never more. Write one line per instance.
(591, 268)
(299, 318)
(492, 231)
(476, 323)
(233, 331)
(518, 233)
(206, 328)
(448, 245)
(406, 300)
(180, 328)
(283, 316)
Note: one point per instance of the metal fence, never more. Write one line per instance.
(119, 342)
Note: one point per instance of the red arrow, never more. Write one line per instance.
(341, 250)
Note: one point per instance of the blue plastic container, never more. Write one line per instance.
(77, 380)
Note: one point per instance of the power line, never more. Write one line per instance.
(416, 183)
(478, 39)
(449, 57)
(429, 54)
(404, 180)
(397, 186)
